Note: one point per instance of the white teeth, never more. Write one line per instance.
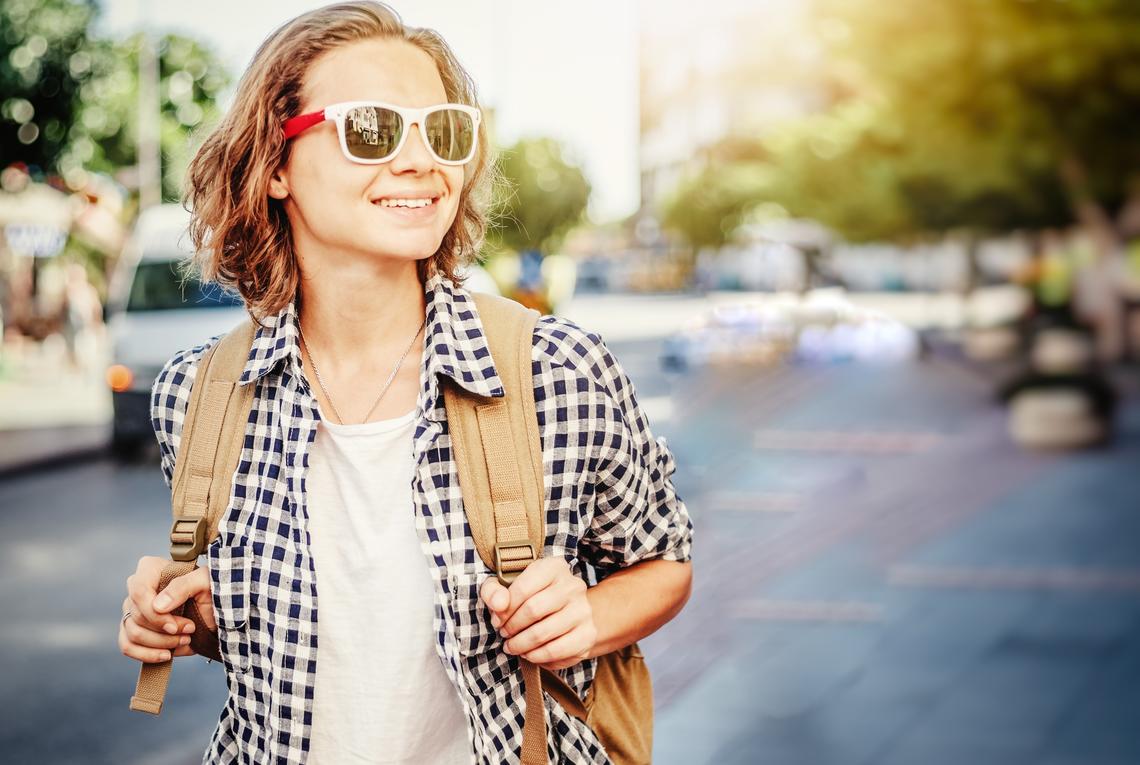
(406, 202)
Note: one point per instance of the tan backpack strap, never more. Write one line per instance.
(498, 453)
(213, 431)
(496, 446)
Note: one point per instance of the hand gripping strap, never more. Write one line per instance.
(210, 447)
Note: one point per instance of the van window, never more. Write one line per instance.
(158, 286)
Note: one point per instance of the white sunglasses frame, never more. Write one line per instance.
(338, 113)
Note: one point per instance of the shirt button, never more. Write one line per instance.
(437, 548)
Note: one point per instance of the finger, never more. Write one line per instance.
(542, 632)
(495, 595)
(534, 578)
(142, 653)
(572, 647)
(141, 587)
(539, 606)
(182, 588)
(169, 623)
(150, 638)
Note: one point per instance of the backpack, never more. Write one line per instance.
(498, 454)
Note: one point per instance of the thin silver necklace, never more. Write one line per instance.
(316, 370)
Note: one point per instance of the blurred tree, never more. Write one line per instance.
(41, 71)
(974, 117)
(988, 115)
(191, 80)
(711, 203)
(70, 100)
(540, 197)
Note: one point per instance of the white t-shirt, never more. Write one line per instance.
(381, 693)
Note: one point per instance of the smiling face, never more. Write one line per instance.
(338, 208)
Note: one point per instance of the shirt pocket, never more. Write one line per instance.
(488, 668)
(470, 617)
(231, 568)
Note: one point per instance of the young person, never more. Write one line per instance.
(342, 195)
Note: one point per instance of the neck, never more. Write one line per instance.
(360, 313)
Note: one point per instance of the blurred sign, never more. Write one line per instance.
(35, 239)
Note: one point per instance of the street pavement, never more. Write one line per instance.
(880, 578)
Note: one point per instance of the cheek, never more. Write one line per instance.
(320, 176)
(455, 179)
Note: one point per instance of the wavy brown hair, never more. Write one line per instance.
(241, 235)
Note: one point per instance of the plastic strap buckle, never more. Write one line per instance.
(187, 538)
(510, 561)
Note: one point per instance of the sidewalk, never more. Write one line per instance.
(49, 411)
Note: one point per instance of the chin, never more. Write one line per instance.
(406, 251)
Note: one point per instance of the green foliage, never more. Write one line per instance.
(956, 115)
(971, 109)
(540, 197)
(709, 205)
(105, 136)
(42, 67)
(75, 96)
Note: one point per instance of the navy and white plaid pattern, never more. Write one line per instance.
(609, 503)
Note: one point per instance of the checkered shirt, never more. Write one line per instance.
(609, 503)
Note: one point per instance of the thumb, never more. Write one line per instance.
(180, 589)
(494, 594)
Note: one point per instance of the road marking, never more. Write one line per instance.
(1059, 578)
(806, 611)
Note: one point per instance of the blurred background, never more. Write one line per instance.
(873, 267)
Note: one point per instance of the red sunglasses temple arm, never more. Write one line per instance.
(296, 125)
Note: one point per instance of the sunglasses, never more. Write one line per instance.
(372, 132)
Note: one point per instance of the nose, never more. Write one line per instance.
(414, 154)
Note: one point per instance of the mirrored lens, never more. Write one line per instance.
(451, 134)
(372, 132)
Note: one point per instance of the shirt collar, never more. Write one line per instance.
(456, 346)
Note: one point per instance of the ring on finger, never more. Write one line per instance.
(125, 616)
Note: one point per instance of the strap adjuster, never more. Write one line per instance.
(187, 538)
(510, 560)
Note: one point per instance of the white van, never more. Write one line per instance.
(152, 313)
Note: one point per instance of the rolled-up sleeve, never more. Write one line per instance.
(638, 514)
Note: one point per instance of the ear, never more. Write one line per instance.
(279, 184)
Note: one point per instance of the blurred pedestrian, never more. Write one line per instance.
(82, 314)
(340, 195)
